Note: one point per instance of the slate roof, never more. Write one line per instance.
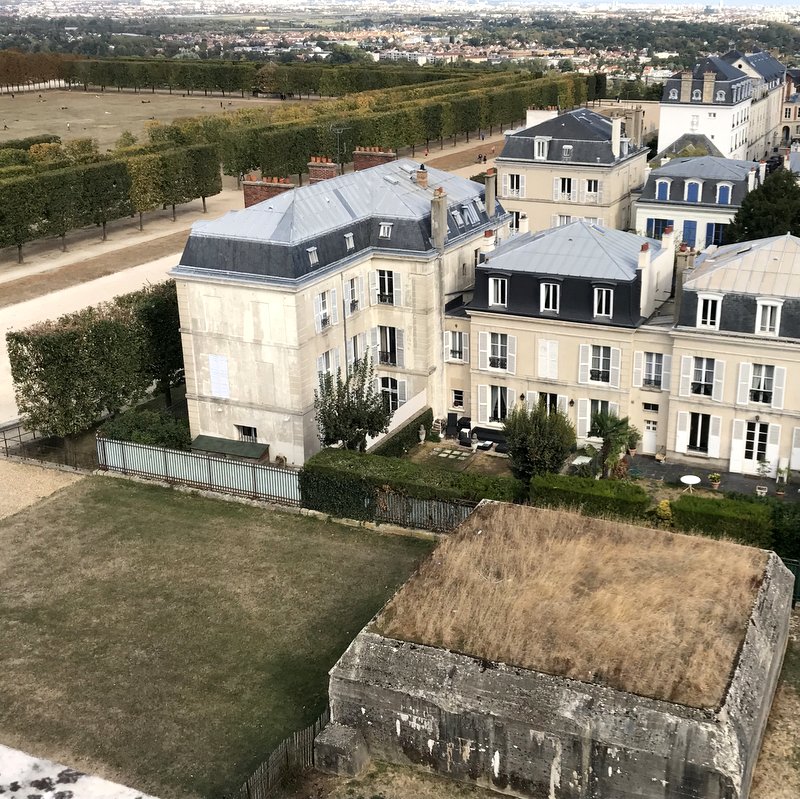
(726, 76)
(766, 267)
(698, 141)
(587, 132)
(707, 168)
(272, 238)
(768, 67)
(579, 249)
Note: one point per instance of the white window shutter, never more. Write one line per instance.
(682, 432)
(552, 348)
(397, 283)
(522, 185)
(362, 345)
(349, 353)
(334, 307)
(483, 404)
(361, 299)
(773, 448)
(666, 372)
(512, 355)
(531, 398)
(465, 347)
(719, 381)
(318, 312)
(400, 347)
(562, 403)
(685, 385)
(556, 188)
(376, 386)
(483, 350)
(543, 366)
(573, 195)
(638, 366)
(447, 344)
(402, 392)
(504, 181)
(218, 374)
(348, 298)
(714, 436)
(778, 386)
(337, 364)
(613, 408)
(600, 191)
(373, 287)
(373, 344)
(616, 359)
(583, 418)
(554, 220)
(583, 363)
(736, 463)
(743, 386)
(794, 463)
(582, 195)
(320, 366)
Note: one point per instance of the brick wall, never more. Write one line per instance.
(366, 157)
(257, 189)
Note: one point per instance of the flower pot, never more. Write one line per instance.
(632, 451)
(715, 484)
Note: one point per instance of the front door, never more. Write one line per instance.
(649, 437)
(755, 446)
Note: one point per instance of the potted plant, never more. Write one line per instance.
(633, 439)
(763, 471)
(781, 480)
(715, 478)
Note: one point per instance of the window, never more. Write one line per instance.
(498, 351)
(662, 189)
(600, 371)
(549, 297)
(313, 258)
(387, 345)
(540, 149)
(328, 363)
(390, 393)
(514, 224)
(351, 293)
(325, 311)
(498, 409)
(787, 113)
(497, 291)
(566, 152)
(456, 214)
(761, 383)
(650, 407)
(246, 433)
(723, 194)
(696, 95)
(708, 312)
(592, 187)
(673, 94)
(755, 441)
(603, 302)
(653, 369)
(356, 348)
(514, 185)
(549, 402)
(657, 227)
(768, 318)
(563, 219)
(720, 96)
(715, 233)
(349, 243)
(692, 191)
(470, 214)
(385, 230)
(566, 188)
(457, 346)
(699, 424)
(598, 406)
(386, 287)
(694, 122)
(457, 398)
(703, 377)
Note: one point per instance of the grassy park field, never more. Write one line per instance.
(169, 642)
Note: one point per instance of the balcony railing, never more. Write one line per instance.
(457, 355)
(652, 382)
(353, 306)
(386, 299)
(757, 395)
(324, 321)
(703, 389)
(600, 375)
(498, 363)
(387, 358)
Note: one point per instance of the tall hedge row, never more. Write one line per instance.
(401, 441)
(596, 497)
(748, 522)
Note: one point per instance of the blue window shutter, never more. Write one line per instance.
(662, 189)
(692, 193)
(724, 195)
(709, 233)
(650, 228)
(690, 232)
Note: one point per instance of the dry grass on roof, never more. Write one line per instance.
(657, 614)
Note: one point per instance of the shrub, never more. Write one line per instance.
(405, 438)
(786, 529)
(594, 497)
(156, 428)
(740, 519)
(663, 511)
(12, 157)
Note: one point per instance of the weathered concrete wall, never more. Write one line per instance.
(535, 735)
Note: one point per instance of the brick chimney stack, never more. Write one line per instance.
(257, 189)
(422, 177)
(366, 157)
(320, 168)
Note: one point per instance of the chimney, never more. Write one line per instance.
(686, 87)
(668, 238)
(256, 190)
(684, 263)
(751, 179)
(366, 157)
(490, 192)
(616, 134)
(524, 224)
(320, 168)
(645, 279)
(422, 177)
(762, 171)
(439, 219)
(708, 86)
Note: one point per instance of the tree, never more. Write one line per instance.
(614, 432)
(538, 440)
(773, 209)
(351, 408)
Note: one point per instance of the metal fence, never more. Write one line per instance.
(292, 756)
(438, 515)
(18, 441)
(255, 480)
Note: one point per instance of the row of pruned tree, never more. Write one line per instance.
(70, 372)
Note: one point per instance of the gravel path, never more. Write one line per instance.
(24, 485)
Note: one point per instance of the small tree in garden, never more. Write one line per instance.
(538, 441)
(350, 408)
(614, 432)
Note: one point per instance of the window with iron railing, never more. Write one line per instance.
(387, 357)
(457, 355)
(703, 382)
(497, 362)
(600, 375)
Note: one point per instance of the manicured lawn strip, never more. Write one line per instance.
(170, 641)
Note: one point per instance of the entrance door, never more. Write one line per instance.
(755, 446)
(649, 437)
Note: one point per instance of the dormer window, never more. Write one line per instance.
(540, 145)
(566, 152)
(469, 213)
(497, 291)
(693, 188)
(723, 193)
(708, 311)
(768, 319)
(697, 95)
(349, 243)
(721, 96)
(662, 189)
(457, 217)
(385, 230)
(313, 258)
(673, 94)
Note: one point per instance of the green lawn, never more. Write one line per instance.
(169, 641)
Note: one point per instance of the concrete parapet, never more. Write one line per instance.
(341, 750)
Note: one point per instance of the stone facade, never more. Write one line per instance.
(531, 734)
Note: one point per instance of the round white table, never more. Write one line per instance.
(690, 481)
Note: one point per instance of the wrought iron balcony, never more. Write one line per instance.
(498, 363)
(600, 375)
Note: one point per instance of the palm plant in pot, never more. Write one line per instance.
(633, 439)
(715, 478)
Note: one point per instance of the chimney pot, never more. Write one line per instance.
(668, 229)
(645, 247)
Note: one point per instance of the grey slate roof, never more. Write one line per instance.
(707, 168)
(726, 76)
(768, 67)
(697, 141)
(579, 249)
(587, 132)
(272, 238)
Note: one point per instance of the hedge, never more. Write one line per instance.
(743, 520)
(403, 476)
(145, 426)
(402, 440)
(595, 497)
